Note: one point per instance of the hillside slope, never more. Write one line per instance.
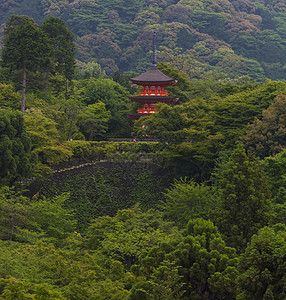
(214, 38)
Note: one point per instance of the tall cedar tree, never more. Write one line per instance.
(62, 42)
(26, 48)
(244, 199)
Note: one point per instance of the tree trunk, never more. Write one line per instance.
(11, 233)
(69, 129)
(91, 135)
(24, 87)
(47, 83)
(66, 88)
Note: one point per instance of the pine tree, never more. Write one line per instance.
(244, 199)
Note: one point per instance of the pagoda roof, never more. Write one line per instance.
(137, 115)
(153, 75)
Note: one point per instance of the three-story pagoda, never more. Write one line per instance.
(154, 83)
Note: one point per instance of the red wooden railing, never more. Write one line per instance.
(163, 93)
(141, 110)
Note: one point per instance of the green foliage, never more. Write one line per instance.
(53, 154)
(27, 221)
(104, 188)
(52, 218)
(262, 266)
(245, 199)
(211, 23)
(187, 200)
(15, 146)
(117, 34)
(235, 111)
(53, 273)
(90, 151)
(26, 48)
(42, 130)
(90, 69)
(14, 288)
(274, 169)
(61, 40)
(200, 257)
(214, 117)
(8, 96)
(188, 130)
(266, 137)
(114, 96)
(126, 235)
(13, 213)
(94, 120)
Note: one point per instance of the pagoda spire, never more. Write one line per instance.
(154, 62)
(153, 82)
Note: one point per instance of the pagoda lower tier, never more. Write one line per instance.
(154, 83)
(149, 104)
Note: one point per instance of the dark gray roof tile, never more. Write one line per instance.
(153, 75)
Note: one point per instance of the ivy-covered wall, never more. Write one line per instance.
(105, 187)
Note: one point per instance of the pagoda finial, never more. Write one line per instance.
(154, 50)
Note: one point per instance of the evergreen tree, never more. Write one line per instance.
(26, 48)
(244, 199)
(62, 43)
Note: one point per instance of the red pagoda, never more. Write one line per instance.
(153, 82)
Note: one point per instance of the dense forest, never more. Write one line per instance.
(194, 209)
(222, 39)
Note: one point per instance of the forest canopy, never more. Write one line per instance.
(222, 39)
(186, 203)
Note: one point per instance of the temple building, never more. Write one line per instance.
(153, 82)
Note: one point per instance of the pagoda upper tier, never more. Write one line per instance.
(153, 82)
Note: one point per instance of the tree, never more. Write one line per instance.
(267, 136)
(15, 21)
(90, 69)
(187, 200)
(178, 13)
(94, 120)
(275, 170)
(245, 199)
(13, 213)
(203, 267)
(15, 146)
(62, 43)
(42, 130)
(8, 96)
(114, 96)
(130, 232)
(262, 265)
(26, 48)
(52, 218)
(188, 132)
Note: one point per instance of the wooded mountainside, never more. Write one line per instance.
(197, 212)
(207, 38)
